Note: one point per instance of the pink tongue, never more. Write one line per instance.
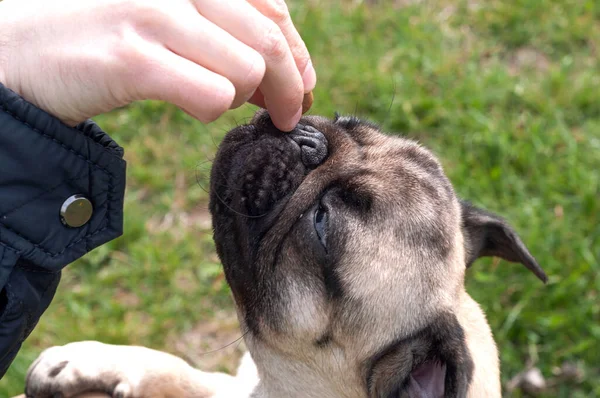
(427, 381)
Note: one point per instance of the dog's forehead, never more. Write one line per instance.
(389, 167)
(383, 151)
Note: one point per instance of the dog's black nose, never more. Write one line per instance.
(312, 143)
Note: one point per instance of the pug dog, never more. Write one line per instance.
(346, 251)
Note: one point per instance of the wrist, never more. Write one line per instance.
(3, 44)
(6, 44)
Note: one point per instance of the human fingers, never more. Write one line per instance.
(282, 85)
(277, 11)
(164, 75)
(194, 37)
(259, 100)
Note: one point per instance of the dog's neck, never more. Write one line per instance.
(326, 373)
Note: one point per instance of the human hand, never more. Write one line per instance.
(79, 58)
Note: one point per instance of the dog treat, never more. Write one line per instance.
(307, 102)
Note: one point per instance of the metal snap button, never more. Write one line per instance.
(76, 211)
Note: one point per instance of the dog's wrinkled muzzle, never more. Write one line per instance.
(272, 165)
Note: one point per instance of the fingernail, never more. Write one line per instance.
(309, 77)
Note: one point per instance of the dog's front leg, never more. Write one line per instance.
(119, 371)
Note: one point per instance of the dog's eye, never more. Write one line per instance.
(321, 219)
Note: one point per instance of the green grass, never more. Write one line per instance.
(506, 93)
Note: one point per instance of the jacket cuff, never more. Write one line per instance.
(44, 162)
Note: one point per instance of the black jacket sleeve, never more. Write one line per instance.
(43, 163)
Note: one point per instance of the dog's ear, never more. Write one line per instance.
(486, 234)
(434, 362)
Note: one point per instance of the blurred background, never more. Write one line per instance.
(507, 93)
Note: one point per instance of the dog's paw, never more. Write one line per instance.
(89, 366)
(76, 368)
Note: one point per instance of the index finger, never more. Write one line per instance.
(282, 84)
(278, 12)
